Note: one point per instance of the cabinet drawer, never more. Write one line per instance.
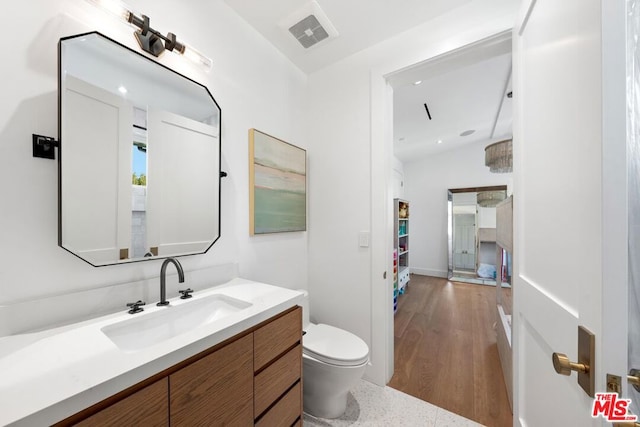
(147, 407)
(286, 411)
(271, 383)
(276, 337)
(215, 390)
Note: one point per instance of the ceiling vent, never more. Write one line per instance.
(309, 25)
(309, 31)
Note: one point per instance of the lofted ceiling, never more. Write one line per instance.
(464, 90)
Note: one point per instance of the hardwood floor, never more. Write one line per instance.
(445, 349)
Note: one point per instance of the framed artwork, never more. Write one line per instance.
(277, 185)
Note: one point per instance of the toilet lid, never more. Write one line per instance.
(334, 346)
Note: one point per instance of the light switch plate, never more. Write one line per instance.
(363, 239)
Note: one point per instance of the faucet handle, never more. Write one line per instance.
(186, 293)
(135, 306)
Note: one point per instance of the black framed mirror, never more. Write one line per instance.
(139, 159)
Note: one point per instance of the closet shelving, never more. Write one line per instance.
(401, 242)
(504, 254)
(395, 280)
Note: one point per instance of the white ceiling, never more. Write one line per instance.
(359, 23)
(463, 90)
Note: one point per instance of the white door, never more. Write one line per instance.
(464, 238)
(99, 146)
(570, 252)
(182, 197)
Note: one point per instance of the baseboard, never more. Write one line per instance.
(429, 272)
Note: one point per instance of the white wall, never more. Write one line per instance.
(398, 179)
(487, 216)
(427, 182)
(349, 150)
(255, 87)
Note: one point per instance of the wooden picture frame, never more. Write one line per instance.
(277, 185)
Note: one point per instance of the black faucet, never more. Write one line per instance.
(163, 272)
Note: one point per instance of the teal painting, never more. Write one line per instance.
(278, 185)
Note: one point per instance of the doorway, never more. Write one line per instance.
(453, 161)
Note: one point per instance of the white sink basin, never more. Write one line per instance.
(143, 330)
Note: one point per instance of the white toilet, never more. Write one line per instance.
(333, 362)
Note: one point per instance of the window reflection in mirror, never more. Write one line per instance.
(139, 157)
(139, 190)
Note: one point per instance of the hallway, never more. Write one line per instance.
(445, 349)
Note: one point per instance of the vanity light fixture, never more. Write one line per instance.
(150, 40)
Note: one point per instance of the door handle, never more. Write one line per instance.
(614, 382)
(564, 366)
(634, 378)
(584, 365)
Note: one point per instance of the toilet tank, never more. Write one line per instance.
(305, 308)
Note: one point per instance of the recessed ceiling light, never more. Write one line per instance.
(122, 90)
(467, 132)
(417, 82)
(439, 141)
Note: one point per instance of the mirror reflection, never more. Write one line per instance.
(472, 233)
(139, 157)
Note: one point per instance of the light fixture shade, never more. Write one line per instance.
(197, 57)
(116, 8)
(499, 156)
(489, 199)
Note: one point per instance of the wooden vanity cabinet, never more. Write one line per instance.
(148, 407)
(215, 390)
(254, 378)
(278, 371)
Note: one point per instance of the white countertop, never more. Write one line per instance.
(50, 375)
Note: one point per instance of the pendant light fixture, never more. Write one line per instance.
(499, 156)
(489, 199)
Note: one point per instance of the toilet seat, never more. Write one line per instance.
(334, 346)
